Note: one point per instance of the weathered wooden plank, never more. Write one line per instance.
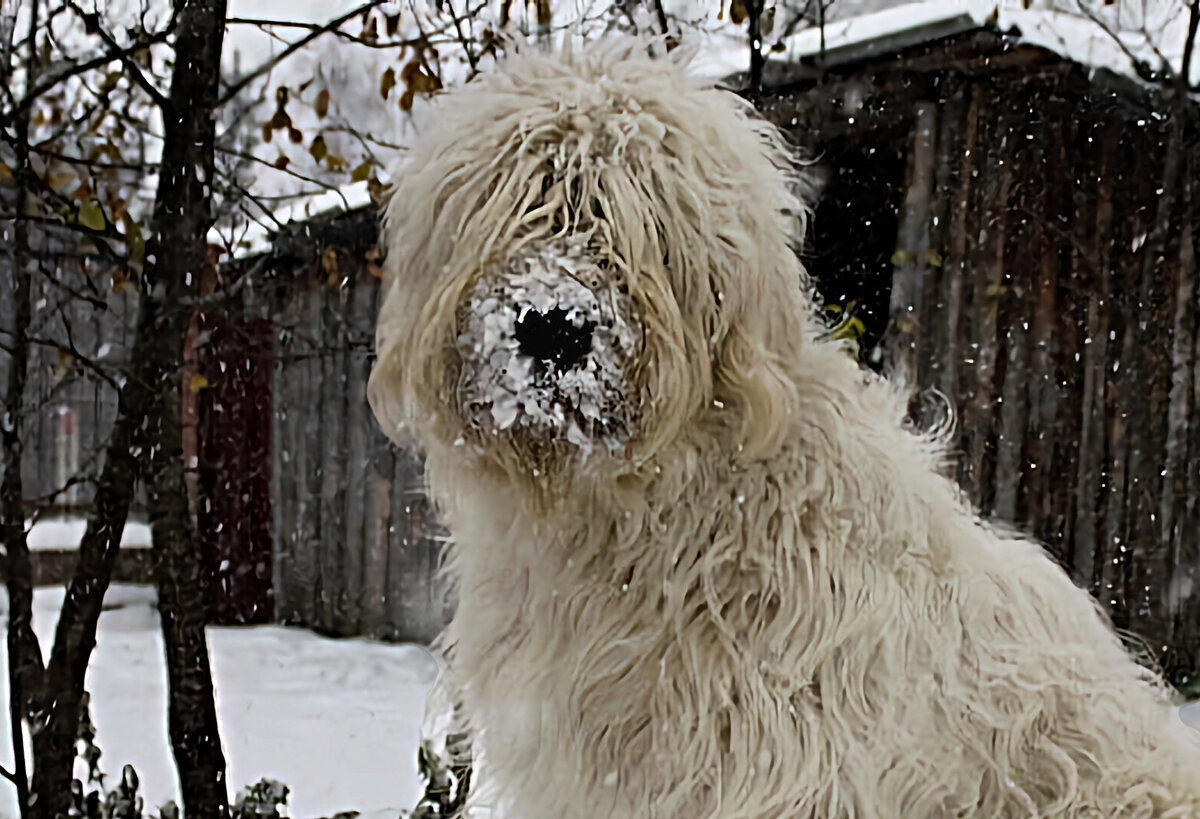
(331, 408)
(912, 249)
(287, 460)
(377, 512)
(309, 455)
(358, 322)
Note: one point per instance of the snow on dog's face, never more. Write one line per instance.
(589, 258)
(547, 343)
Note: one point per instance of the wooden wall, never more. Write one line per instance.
(79, 320)
(1043, 283)
(356, 545)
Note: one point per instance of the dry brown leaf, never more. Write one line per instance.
(387, 82)
(322, 103)
(329, 264)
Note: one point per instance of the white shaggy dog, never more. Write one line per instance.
(704, 568)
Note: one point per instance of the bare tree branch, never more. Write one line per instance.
(91, 20)
(52, 81)
(235, 89)
(1189, 45)
(463, 40)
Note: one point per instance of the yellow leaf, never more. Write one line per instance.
(851, 328)
(61, 179)
(318, 149)
(197, 383)
(322, 103)
(933, 258)
(91, 215)
(64, 364)
(334, 163)
(110, 81)
(362, 172)
(329, 264)
(134, 241)
(6, 176)
(387, 82)
(121, 282)
(901, 257)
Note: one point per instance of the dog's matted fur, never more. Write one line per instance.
(715, 574)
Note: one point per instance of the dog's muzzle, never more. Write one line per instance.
(547, 343)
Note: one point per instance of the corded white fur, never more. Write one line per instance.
(773, 605)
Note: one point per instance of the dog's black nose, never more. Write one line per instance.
(554, 338)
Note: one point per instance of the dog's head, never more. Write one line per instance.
(590, 257)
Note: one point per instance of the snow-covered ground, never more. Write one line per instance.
(66, 533)
(338, 721)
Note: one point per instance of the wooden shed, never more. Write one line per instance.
(1019, 235)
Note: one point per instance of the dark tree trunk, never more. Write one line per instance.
(24, 655)
(25, 667)
(176, 256)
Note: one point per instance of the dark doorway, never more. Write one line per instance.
(233, 515)
(853, 237)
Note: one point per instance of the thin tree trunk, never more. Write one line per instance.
(176, 256)
(24, 655)
(25, 667)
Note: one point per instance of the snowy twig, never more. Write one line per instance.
(1189, 45)
(1140, 66)
(73, 351)
(7, 774)
(91, 20)
(235, 89)
(472, 60)
(266, 23)
(296, 174)
(54, 80)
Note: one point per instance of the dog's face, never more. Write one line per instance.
(588, 258)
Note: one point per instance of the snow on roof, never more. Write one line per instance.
(1151, 30)
(1095, 37)
(257, 236)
